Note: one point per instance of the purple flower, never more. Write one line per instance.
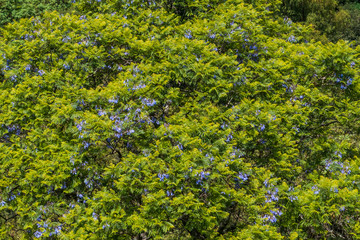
(204, 175)
(56, 231)
(13, 78)
(266, 183)
(291, 39)
(339, 154)
(180, 146)
(293, 198)
(163, 176)
(136, 87)
(86, 144)
(113, 100)
(315, 189)
(188, 34)
(41, 72)
(229, 138)
(101, 112)
(80, 125)
(243, 176)
(38, 234)
(148, 102)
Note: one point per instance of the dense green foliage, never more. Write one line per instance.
(203, 119)
(11, 10)
(335, 19)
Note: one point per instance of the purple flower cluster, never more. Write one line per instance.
(41, 72)
(272, 216)
(337, 166)
(289, 89)
(188, 34)
(101, 112)
(229, 138)
(148, 102)
(272, 195)
(291, 39)
(243, 177)
(163, 176)
(113, 100)
(39, 233)
(210, 157)
(203, 176)
(291, 197)
(315, 189)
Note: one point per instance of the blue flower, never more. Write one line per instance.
(291, 39)
(229, 138)
(38, 234)
(41, 72)
(113, 100)
(80, 125)
(315, 189)
(293, 198)
(86, 144)
(136, 87)
(163, 176)
(56, 231)
(266, 183)
(188, 34)
(243, 176)
(148, 102)
(66, 39)
(101, 112)
(204, 175)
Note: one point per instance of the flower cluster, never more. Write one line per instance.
(337, 166)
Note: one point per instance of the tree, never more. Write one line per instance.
(331, 18)
(137, 120)
(11, 10)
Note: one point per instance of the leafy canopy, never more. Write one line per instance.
(14, 10)
(202, 119)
